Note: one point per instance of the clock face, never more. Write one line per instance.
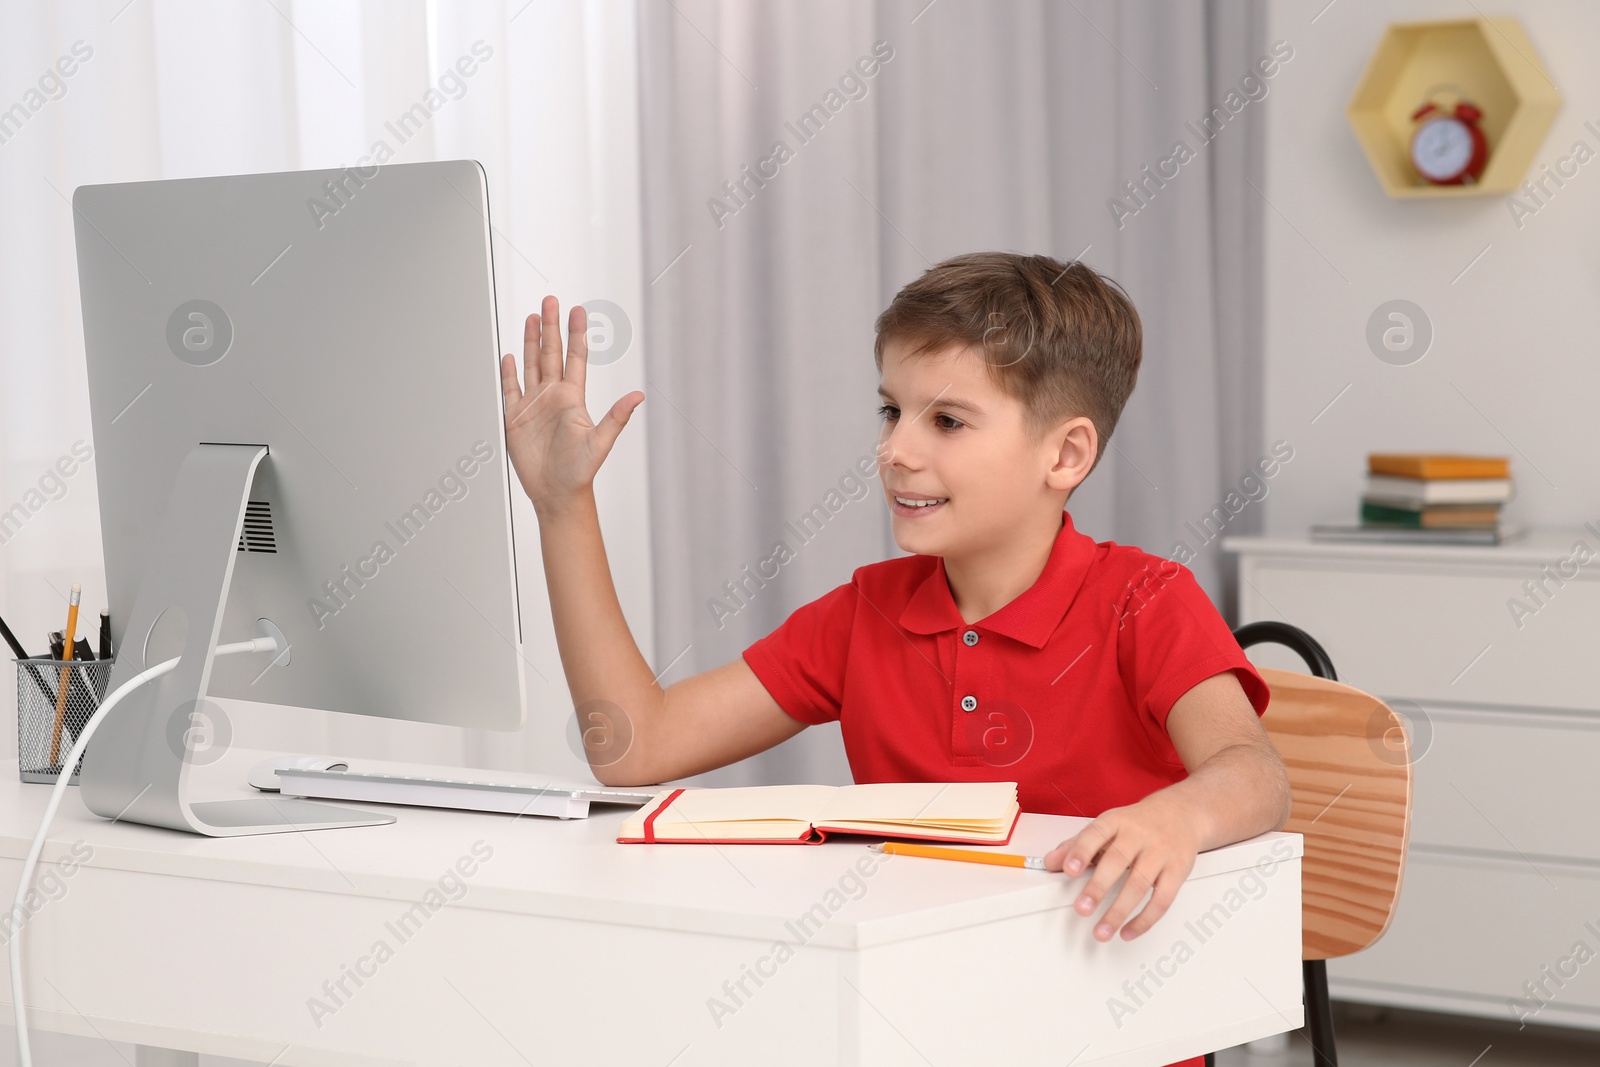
(1442, 148)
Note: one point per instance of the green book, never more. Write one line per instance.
(1473, 515)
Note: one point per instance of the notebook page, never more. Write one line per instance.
(754, 802)
(666, 828)
(915, 802)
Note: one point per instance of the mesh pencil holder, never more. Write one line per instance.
(54, 700)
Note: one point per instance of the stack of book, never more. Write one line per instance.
(1431, 499)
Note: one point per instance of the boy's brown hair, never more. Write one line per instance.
(1062, 338)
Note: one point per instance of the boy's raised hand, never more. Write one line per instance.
(1152, 840)
(554, 446)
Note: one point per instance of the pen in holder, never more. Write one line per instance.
(55, 698)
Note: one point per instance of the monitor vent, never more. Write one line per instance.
(258, 535)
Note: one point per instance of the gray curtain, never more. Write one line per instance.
(983, 126)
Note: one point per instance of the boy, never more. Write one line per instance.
(1010, 647)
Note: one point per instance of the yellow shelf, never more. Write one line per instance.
(1491, 62)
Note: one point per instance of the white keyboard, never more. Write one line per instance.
(373, 787)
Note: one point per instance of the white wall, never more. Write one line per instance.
(1512, 367)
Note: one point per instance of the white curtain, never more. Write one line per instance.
(980, 126)
(180, 89)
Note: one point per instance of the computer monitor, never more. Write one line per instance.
(298, 427)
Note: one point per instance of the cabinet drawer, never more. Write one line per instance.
(1508, 782)
(1474, 931)
(1432, 632)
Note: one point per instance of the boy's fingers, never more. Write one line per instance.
(1133, 891)
(530, 352)
(512, 392)
(1106, 872)
(1082, 847)
(1162, 899)
(577, 346)
(611, 426)
(550, 341)
(1096, 847)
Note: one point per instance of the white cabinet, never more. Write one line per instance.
(1499, 912)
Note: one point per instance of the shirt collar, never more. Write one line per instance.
(1032, 617)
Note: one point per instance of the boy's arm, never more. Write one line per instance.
(1236, 788)
(634, 732)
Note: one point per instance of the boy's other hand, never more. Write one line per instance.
(1153, 840)
(554, 446)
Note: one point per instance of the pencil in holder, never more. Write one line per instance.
(55, 699)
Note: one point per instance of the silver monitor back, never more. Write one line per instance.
(346, 321)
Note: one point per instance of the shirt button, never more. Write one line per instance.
(969, 703)
(970, 637)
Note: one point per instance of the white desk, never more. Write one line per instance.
(568, 948)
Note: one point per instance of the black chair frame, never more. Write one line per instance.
(1319, 1011)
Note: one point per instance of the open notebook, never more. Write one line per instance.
(971, 812)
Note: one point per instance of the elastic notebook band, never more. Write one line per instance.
(650, 820)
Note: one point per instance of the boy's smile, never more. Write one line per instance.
(910, 506)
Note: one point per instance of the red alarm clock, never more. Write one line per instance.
(1447, 147)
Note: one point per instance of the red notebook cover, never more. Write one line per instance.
(813, 835)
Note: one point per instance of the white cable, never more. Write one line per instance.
(24, 1050)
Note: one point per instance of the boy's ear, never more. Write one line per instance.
(1075, 444)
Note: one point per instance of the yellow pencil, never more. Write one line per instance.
(968, 855)
(70, 634)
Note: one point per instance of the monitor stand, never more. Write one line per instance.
(135, 767)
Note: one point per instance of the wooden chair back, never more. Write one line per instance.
(1349, 763)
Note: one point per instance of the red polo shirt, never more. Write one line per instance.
(1065, 690)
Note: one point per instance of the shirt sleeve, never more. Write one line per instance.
(1170, 638)
(802, 662)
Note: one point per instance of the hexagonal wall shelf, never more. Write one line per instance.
(1490, 62)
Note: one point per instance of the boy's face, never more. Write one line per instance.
(950, 434)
